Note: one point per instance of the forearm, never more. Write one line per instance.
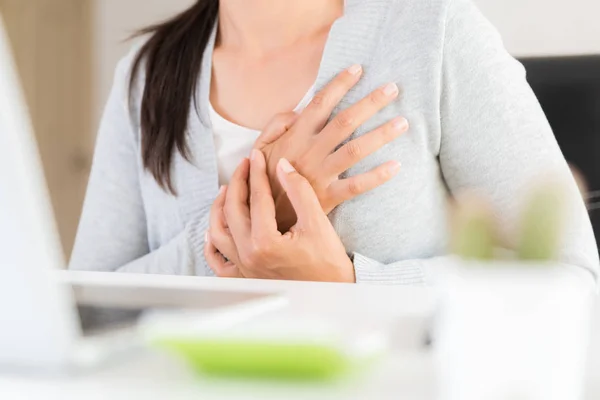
(183, 255)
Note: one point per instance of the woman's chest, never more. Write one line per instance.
(402, 219)
(405, 218)
(250, 91)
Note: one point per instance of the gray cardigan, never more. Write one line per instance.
(475, 124)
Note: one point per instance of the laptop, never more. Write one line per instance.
(42, 326)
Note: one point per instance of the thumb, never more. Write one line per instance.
(300, 193)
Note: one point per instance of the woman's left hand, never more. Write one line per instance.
(243, 240)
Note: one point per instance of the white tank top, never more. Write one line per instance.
(234, 142)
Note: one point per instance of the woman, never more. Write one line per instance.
(187, 107)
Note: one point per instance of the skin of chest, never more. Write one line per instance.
(250, 89)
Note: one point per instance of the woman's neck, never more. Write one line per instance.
(260, 26)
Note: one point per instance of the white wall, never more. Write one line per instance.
(114, 21)
(540, 27)
(529, 27)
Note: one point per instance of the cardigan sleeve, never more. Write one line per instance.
(112, 234)
(495, 140)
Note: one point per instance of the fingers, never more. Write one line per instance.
(218, 232)
(221, 267)
(262, 206)
(237, 212)
(275, 129)
(347, 189)
(316, 114)
(301, 195)
(347, 121)
(354, 151)
(217, 218)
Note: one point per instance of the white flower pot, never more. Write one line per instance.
(512, 331)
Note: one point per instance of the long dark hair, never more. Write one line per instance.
(172, 57)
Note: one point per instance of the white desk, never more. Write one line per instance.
(406, 374)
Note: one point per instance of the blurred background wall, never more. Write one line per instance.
(67, 51)
(51, 39)
(114, 21)
(529, 27)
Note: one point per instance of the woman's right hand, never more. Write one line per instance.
(309, 142)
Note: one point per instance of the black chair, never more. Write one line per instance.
(568, 89)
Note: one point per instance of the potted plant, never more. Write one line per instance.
(512, 324)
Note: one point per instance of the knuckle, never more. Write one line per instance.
(355, 187)
(261, 249)
(307, 177)
(299, 184)
(344, 119)
(304, 164)
(257, 193)
(315, 180)
(282, 120)
(329, 199)
(383, 174)
(248, 260)
(377, 97)
(380, 137)
(301, 181)
(353, 149)
(281, 117)
(257, 252)
(320, 100)
(302, 159)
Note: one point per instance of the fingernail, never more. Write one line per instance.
(286, 166)
(400, 123)
(221, 189)
(206, 237)
(253, 154)
(394, 168)
(390, 89)
(355, 69)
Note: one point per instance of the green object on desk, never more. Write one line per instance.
(260, 359)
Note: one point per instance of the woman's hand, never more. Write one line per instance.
(244, 240)
(219, 235)
(309, 143)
